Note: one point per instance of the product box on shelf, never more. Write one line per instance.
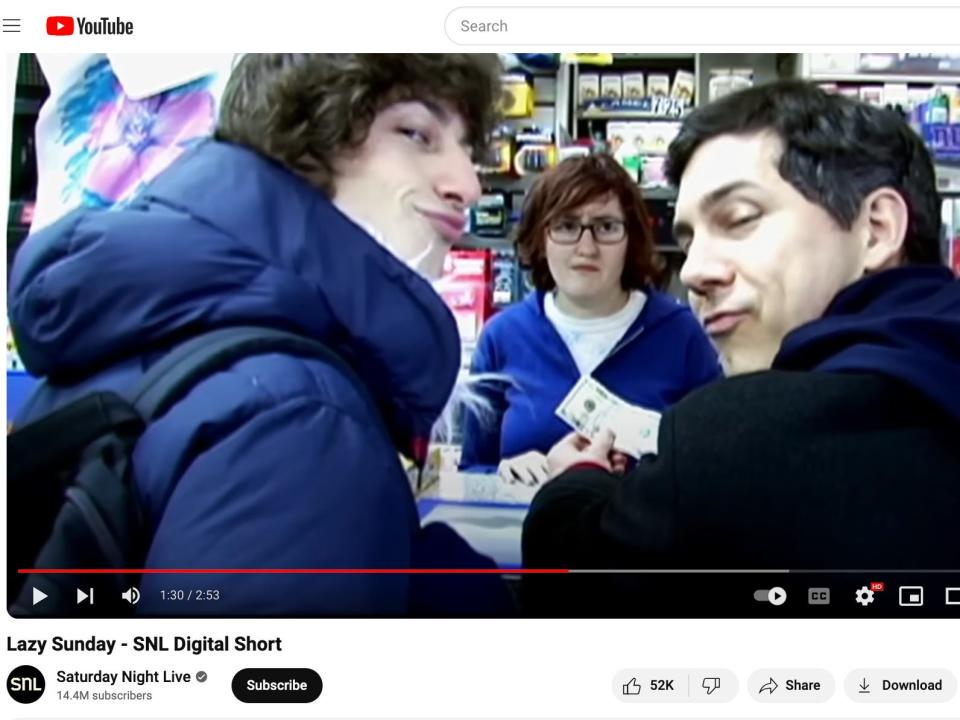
(489, 216)
(634, 85)
(658, 85)
(943, 140)
(611, 87)
(506, 277)
(465, 287)
(684, 84)
(724, 81)
(589, 88)
(498, 158)
(517, 99)
(640, 138)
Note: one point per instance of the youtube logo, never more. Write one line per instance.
(63, 25)
(59, 25)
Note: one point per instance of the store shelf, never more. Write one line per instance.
(881, 78)
(654, 56)
(659, 193)
(509, 183)
(624, 115)
(471, 241)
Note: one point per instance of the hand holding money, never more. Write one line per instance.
(589, 408)
(575, 449)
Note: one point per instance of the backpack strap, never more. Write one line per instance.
(174, 375)
(31, 447)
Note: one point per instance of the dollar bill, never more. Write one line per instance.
(590, 408)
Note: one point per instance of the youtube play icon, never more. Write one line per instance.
(59, 25)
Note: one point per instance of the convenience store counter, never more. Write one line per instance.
(485, 510)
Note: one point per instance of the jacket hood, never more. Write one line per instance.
(904, 323)
(227, 237)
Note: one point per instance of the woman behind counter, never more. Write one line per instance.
(586, 237)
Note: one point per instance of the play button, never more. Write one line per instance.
(39, 596)
(777, 596)
(60, 25)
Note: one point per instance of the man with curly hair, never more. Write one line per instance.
(335, 185)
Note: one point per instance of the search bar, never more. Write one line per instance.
(700, 28)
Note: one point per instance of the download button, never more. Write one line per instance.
(892, 686)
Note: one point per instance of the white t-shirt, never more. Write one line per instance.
(590, 340)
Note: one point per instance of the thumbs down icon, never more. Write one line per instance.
(711, 685)
(632, 687)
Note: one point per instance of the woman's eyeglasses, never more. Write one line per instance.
(605, 231)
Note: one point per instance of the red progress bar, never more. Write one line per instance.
(293, 571)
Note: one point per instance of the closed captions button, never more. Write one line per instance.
(277, 685)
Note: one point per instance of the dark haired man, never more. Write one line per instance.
(336, 185)
(811, 227)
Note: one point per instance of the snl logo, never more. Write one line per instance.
(25, 684)
(66, 25)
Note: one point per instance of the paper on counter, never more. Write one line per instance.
(475, 487)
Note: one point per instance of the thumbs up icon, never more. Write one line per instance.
(632, 687)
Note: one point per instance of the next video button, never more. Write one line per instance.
(277, 685)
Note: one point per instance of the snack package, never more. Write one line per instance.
(517, 99)
(589, 88)
(684, 87)
(952, 95)
(634, 86)
(724, 81)
(611, 87)
(658, 85)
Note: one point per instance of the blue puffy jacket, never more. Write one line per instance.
(276, 462)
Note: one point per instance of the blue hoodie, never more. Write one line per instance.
(903, 323)
(275, 462)
(662, 357)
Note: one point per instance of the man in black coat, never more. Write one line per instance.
(811, 224)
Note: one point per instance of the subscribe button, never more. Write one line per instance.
(277, 685)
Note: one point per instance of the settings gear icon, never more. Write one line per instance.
(864, 596)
